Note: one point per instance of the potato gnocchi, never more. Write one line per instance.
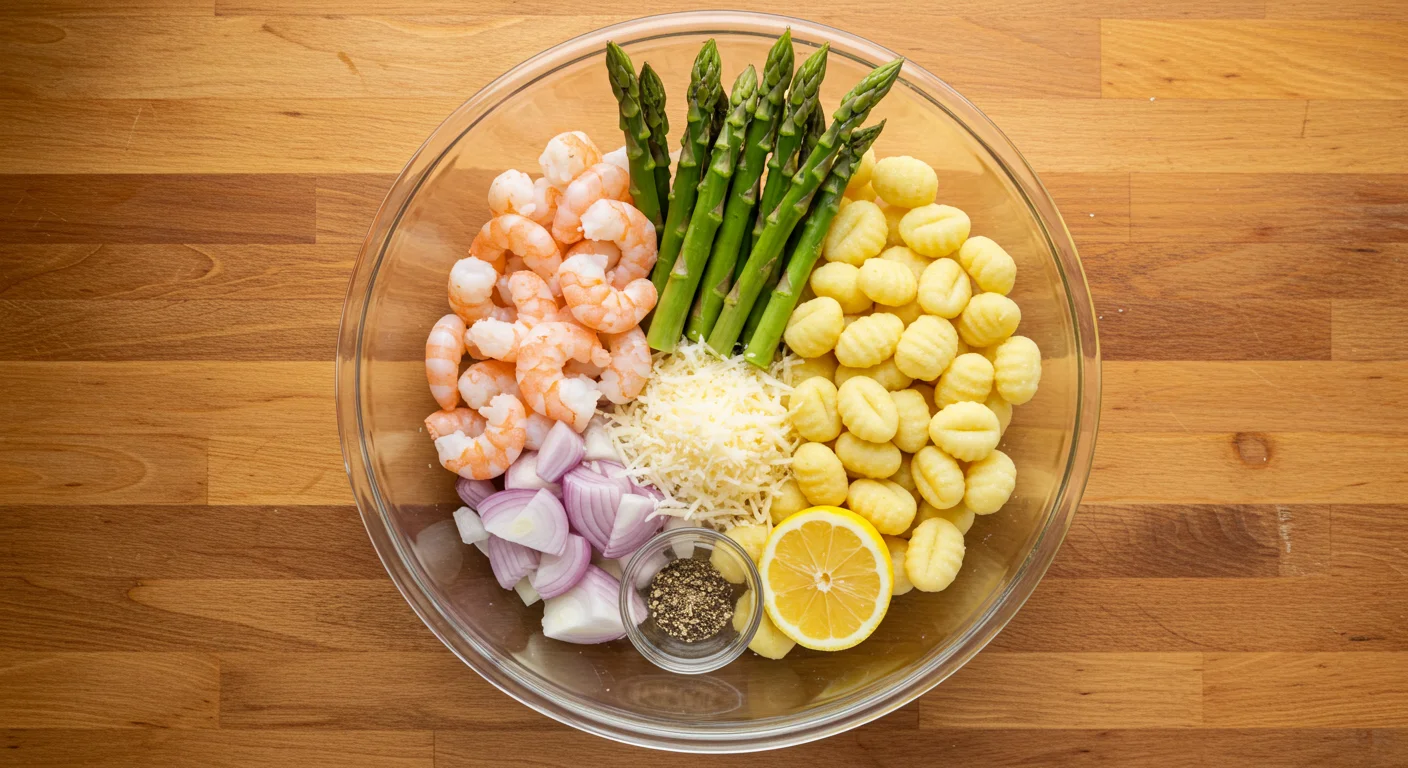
(968, 377)
(989, 483)
(934, 230)
(939, 478)
(812, 408)
(988, 318)
(944, 289)
(886, 373)
(926, 348)
(966, 431)
(814, 327)
(819, 474)
(856, 234)
(841, 281)
(862, 458)
(913, 430)
(1017, 369)
(905, 181)
(869, 340)
(989, 266)
(886, 505)
(935, 555)
(867, 409)
(887, 282)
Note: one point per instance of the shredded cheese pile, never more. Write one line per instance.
(711, 434)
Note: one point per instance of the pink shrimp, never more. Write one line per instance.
(566, 156)
(516, 192)
(444, 349)
(490, 453)
(483, 381)
(545, 388)
(596, 303)
(520, 236)
(536, 426)
(609, 250)
(533, 302)
(623, 225)
(602, 181)
(624, 379)
(464, 420)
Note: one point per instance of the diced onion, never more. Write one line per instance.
(589, 612)
(524, 474)
(510, 561)
(540, 524)
(591, 500)
(558, 573)
(472, 492)
(562, 450)
(633, 525)
(471, 528)
(525, 591)
(598, 443)
(502, 502)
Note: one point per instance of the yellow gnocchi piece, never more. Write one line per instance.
(944, 289)
(887, 282)
(840, 281)
(768, 641)
(989, 483)
(867, 410)
(856, 234)
(906, 256)
(960, 515)
(889, 376)
(861, 458)
(927, 390)
(869, 340)
(905, 181)
(990, 266)
(935, 555)
(907, 313)
(968, 377)
(966, 431)
(898, 548)
(904, 478)
(860, 177)
(886, 505)
(1017, 369)
(938, 477)
(819, 474)
(812, 408)
(893, 214)
(753, 538)
(824, 366)
(814, 327)
(1001, 407)
(935, 230)
(926, 348)
(913, 431)
(988, 319)
(866, 192)
(787, 501)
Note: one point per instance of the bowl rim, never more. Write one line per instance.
(826, 719)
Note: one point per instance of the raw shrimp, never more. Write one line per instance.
(443, 350)
(483, 381)
(522, 237)
(596, 303)
(602, 181)
(545, 388)
(616, 222)
(472, 288)
(516, 192)
(566, 156)
(489, 454)
(609, 250)
(618, 158)
(464, 420)
(534, 304)
(536, 426)
(630, 366)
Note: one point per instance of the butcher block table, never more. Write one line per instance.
(184, 580)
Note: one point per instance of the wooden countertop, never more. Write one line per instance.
(184, 579)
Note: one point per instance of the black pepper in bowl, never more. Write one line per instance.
(690, 601)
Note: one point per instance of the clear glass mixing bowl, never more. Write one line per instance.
(398, 290)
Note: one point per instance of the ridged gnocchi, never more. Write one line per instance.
(862, 458)
(990, 267)
(960, 515)
(901, 254)
(869, 340)
(812, 408)
(823, 366)
(968, 377)
(988, 319)
(814, 327)
(887, 506)
(840, 281)
(786, 501)
(867, 409)
(966, 431)
(856, 234)
(819, 474)
(886, 373)
(887, 282)
(861, 175)
(938, 477)
(989, 483)
(935, 555)
(944, 289)
(926, 348)
(898, 548)
(913, 431)
(905, 181)
(1017, 369)
(934, 230)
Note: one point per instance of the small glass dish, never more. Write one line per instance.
(653, 642)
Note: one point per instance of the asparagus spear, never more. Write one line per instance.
(652, 99)
(704, 93)
(627, 89)
(803, 102)
(808, 246)
(704, 221)
(779, 224)
(743, 195)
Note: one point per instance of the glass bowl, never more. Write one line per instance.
(398, 290)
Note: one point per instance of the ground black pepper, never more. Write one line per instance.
(690, 601)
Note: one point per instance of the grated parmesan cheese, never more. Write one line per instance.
(712, 434)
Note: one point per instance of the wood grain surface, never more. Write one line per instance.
(184, 579)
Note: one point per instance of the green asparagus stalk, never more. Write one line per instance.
(674, 304)
(704, 93)
(743, 194)
(855, 107)
(803, 103)
(627, 89)
(807, 247)
(652, 100)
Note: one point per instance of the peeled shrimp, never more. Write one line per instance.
(602, 181)
(472, 288)
(618, 158)
(625, 377)
(609, 250)
(443, 350)
(566, 156)
(482, 382)
(536, 426)
(520, 236)
(622, 224)
(464, 420)
(545, 388)
(533, 302)
(516, 192)
(596, 303)
(489, 454)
